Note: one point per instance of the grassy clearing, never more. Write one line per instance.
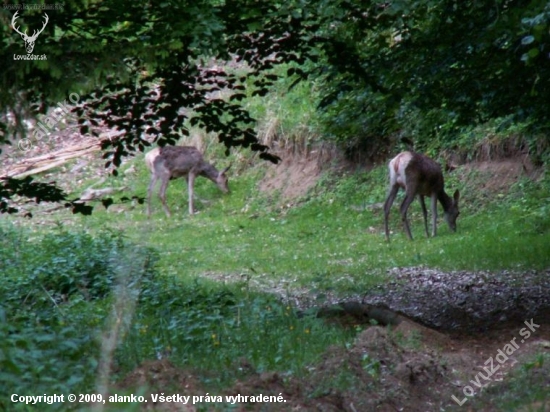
(332, 240)
(56, 284)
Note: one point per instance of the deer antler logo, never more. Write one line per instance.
(29, 40)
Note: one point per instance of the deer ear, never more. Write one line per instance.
(456, 196)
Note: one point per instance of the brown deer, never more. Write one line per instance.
(171, 162)
(419, 175)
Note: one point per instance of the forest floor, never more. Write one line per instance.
(458, 338)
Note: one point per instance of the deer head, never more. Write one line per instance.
(29, 40)
(452, 212)
(222, 180)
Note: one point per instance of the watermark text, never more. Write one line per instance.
(493, 364)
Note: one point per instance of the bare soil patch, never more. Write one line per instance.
(160, 377)
(407, 368)
(497, 176)
(465, 301)
(450, 324)
(292, 177)
(300, 168)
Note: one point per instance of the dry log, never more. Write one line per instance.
(49, 161)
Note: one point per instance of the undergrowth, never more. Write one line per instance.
(58, 305)
(525, 389)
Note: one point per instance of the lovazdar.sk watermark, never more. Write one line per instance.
(28, 38)
(493, 364)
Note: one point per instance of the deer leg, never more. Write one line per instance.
(150, 192)
(404, 208)
(190, 191)
(194, 197)
(425, 213)
(434, 215)
(387, 206)
(162, 194)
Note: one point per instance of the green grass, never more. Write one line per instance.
(213, 330)
(329, 241)
(525, 389)
(325, 242)
(56, 315)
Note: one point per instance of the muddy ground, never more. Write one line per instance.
(449, 326)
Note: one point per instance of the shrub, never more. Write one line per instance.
(56, 292)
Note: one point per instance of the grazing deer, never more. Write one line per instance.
(419, 175)
(171, 162)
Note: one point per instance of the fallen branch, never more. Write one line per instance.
(48, 161)
(45, 162)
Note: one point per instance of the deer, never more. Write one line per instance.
(419, 175)
(29, 40)
(171, 162)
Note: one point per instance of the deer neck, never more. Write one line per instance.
(444, 199)
(209, 172)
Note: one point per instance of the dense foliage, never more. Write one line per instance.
(142, 67)
(428, 69)
(49, 321)
(385, 70)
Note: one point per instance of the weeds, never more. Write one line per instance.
(56, 292)
(525, 389)
(63, 330)
(288, 118)
(216, 329)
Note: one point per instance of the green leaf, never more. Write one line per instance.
(527, 40)
(176, 45)
(534, 52)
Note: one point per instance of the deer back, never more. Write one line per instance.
(182, 160)
(426, 174)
